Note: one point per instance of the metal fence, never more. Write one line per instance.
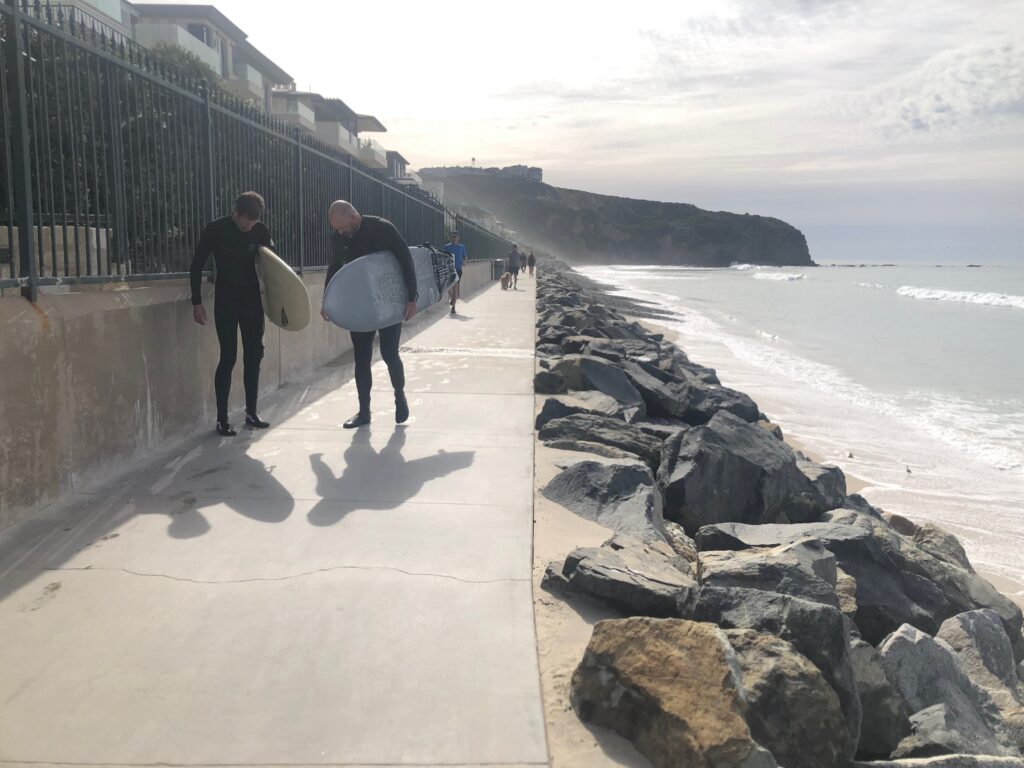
(113, 162)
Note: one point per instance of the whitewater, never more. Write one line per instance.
(909, 378)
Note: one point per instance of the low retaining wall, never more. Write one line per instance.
(93, 379)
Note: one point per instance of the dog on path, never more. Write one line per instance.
(506, 281)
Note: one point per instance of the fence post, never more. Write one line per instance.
(301, 201)
(206, 126)
(117, 160)
(20, 155)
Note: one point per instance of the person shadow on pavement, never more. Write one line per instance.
(205, 479)
(372, 480)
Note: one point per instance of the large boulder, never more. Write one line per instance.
(983, 649)
(548, 383)
(671, 687)
(660, 396)
(732, 471)
(586, 372)
(926, 673)
(940, 587)
(948, 729)
(576, 431)
(885, 721)
(829, 482)
(803, 569)
(704, 400)
(632, 576)
(791, 710)
(585, 401)
(620, 496)
(815, 630)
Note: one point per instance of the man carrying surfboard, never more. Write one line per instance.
(234, 241)
(458, 250)
(355, 236)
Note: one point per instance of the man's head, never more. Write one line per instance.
(249, 209)
(344, 218)
(454, 237)
(515, 246)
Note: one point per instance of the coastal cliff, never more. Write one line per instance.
(591, 228)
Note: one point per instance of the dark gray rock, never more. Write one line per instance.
(549, 350)
(736, 536)
(582, 372)
(660, 397)
(885, 721)
(548, 383)
(979, 640)
(585, 401)
(940, 588)
(829, 482)
(948, 729)
(704, 401)
(804, 569)
(586, 428)
(983, 648)
(635, 577)
(815, 630)
(790, 709)
(926, 673)
(620, 496)
(732, 471)
(773, 429)
(662, 429)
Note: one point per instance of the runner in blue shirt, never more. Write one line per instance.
(458, 250)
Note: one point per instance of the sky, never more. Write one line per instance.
(885, 131)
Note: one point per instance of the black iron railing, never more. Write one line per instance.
(112, 162)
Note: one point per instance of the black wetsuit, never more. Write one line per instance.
(375, 234)
(236, 305)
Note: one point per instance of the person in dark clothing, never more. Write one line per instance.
(234, 241)
(514, 260)
(531, 261)
(354, 236)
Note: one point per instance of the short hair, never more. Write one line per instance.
(250, 205)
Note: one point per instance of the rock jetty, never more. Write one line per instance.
(768, 618)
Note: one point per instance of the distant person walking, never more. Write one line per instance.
(515, 263)
(458, 250)
(355, 236)
(234, 241)
(531, 260)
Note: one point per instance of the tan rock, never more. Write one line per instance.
(672, 687)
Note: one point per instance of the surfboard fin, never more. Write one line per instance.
(284, 318)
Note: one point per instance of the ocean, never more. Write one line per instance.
(910, 378)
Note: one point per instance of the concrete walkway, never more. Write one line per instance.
(303, 596)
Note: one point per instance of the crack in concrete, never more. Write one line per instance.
(294, 575)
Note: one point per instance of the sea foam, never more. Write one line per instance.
(962, 297)
(781, 276)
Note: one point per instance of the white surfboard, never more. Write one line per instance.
(285, 296)
(369, 293)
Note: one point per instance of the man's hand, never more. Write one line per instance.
(199, 314)
(410, 310)
(323, 314)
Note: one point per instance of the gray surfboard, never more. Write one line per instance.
(369, 293)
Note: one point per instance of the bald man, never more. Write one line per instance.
(355, 236)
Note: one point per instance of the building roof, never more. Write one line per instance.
(333, 109)
(224, 24)
(369, 124)
(397, 156)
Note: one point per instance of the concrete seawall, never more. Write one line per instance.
(97, 378)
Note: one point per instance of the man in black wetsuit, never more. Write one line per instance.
(234, 240)
(356, 235)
